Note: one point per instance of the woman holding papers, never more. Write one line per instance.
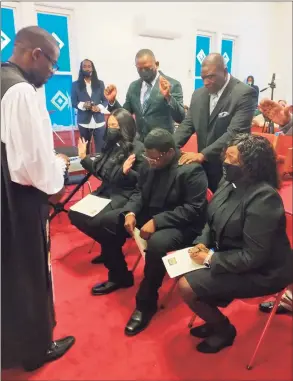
(244, 245)
(117, 167)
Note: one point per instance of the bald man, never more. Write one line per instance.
(30, 173)
(218, 111)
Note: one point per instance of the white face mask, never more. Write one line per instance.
(249, 83)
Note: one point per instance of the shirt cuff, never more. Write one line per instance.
(81, 106)
(112, 104)
(207, 261)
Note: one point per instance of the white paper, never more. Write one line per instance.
(179, 262)
(90, 205)
(141, 243)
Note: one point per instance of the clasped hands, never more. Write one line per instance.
(89, 107)
(198, 253)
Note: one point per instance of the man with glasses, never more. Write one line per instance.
(218, 111)
(169, 208)
(154, 99)
(30, 173)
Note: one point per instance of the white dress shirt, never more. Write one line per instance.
(26, 131)
(214, 98)
(92, 124)
(144, 87)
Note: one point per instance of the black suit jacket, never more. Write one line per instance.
(115, 184)
(251, 236)
(158, 112)
(183, 197)
(233, 114)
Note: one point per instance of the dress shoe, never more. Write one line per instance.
(108, 287)
(57, 349)
(98, 260)
(218, 341)
(138, 322)
(268, 306)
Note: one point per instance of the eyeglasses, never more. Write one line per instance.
(55, 67)
(156, 160)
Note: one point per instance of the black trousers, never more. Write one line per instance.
(108, 229)
(96, 133)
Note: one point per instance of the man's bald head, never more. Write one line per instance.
(214, 72)
(33, 37)
(36, 52)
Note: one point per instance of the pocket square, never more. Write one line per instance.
(223, 114)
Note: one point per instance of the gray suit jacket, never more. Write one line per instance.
(158, 112)
(233, 114)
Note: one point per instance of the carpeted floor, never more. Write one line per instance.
(165, 351)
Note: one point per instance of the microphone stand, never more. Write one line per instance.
(272, 86)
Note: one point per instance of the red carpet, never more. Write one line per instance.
(165, 351)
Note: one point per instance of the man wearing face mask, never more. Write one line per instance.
(169, 209)
(30, 172)
(218, 111)
(154, 99)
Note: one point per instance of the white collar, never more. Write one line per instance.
(220, 92)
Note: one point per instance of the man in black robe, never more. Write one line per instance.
(30, 172)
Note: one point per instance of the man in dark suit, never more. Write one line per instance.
(218, 111)
(155, 99)
(169, 208)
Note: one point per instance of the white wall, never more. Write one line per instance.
(105, 33)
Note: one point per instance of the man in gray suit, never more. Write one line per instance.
(221, 109)
(155, 99)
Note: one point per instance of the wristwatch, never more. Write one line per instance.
(207, 261)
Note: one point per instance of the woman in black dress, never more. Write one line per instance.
(244, 245)
(117, 166)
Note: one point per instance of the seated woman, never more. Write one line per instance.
(117, 166)
(244, 244)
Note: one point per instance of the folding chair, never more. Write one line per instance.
(277, 300)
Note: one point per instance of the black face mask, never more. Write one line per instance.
(232, 173)
(86, 73)
(147, 75)
(113, 135)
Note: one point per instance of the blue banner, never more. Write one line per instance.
(58, 101)
(57, 26)
(7, 33)
(202, 50)
(227, 52)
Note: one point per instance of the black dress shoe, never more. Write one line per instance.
(57, 349)
(98, 260)
(138, 322)
(268, 306)
(218, 341)
(108, 287)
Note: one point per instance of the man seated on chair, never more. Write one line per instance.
(169, 208)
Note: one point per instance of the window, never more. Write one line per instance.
(203, 48)
(227, 50)
(58, 88)
(7, 32)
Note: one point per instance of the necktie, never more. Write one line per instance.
(214, 98)
(146, 96)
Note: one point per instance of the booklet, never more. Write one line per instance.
(141, 243)
(90, 205)
(179, 262)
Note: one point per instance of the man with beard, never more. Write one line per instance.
(155, 99)
(30, 172)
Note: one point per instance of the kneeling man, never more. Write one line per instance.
(169, 208)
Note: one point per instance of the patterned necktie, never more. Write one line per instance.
(214, 100)
(146, 96)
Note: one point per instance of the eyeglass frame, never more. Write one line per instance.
(156, 160)
(53, 63)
